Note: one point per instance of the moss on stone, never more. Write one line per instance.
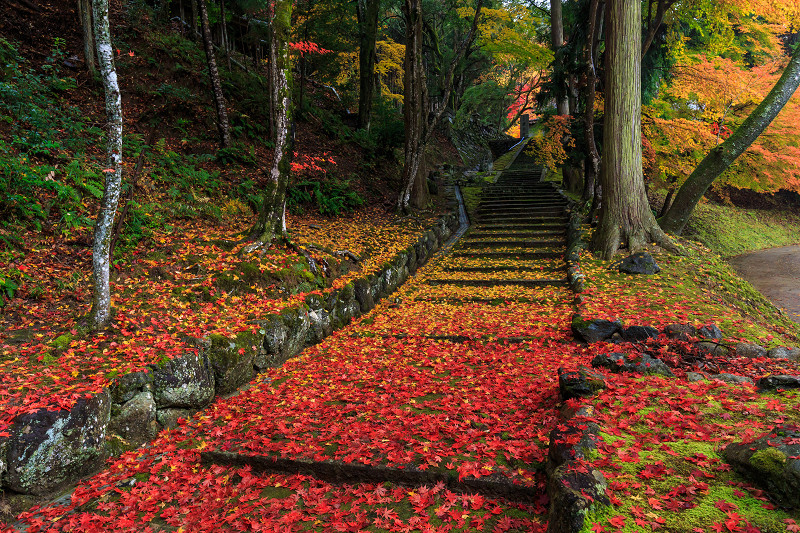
(769, 460)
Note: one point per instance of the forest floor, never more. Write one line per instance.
(460, 381)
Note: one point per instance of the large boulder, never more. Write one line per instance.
(784, 353)
(771, 463)
(49, 449)
(594, 330)
(583, 383)
(639, 333)
(681, 332)
(734, 379)
(129, 385)
(749, 350)
(641, 363)
(639, 263)
(186, 381)
(710, 331)
(285, 335)
(169, 417)
(778, 382)
(135, 420)
(232, 359)
(712, 348)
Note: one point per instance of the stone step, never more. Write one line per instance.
(500, 282)
(511, 204)
(488, 254)
(502, 269)
(470, 244)
(520, 211)
(520, 219)
(520, 227)
(490, 301)
(517, 234)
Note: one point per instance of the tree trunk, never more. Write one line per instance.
(225, 43)
(419, 127)
(85, 14)
(557, 39)
(723, 156)
(368, 11)
(213, 73)
(625, 216)
(414, 104)
(592, 160)
(272, 218)
(100, 315)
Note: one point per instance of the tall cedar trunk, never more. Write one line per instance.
(368, 11)
(592, 160)
(272, 218)
(414, 104)
(85, 14)
(625, 216)
(557, 39)
(216, 85)
(723, 156)
(101, 299)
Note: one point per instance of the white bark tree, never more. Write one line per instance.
(100, 315)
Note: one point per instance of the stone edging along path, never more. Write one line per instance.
(48, 450)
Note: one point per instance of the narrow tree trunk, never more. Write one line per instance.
(213, 73)
(85, 14)
(225, 43)
(625, 216)
(100, 315)
(592, 160)
(272, 218)
(368, 11)
(557, 39)
(414, 104)
(723, 155)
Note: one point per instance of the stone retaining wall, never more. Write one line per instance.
(48, 450)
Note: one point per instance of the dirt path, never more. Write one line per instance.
(776, 273)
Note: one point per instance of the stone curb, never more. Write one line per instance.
(49, 450)
(351, 473)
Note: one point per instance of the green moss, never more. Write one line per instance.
(769, 460)
(62, 341)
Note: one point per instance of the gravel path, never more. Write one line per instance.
(776, 273)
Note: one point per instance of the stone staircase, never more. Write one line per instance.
(518, 235)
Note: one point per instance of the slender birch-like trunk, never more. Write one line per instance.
(272, 218)
(100, 315)
(213, 73)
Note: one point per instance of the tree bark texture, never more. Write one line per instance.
(723, 156)
(592, 160)
(272, 218)
(557, 39)
(368, 11)
(414, 101)
(213, 73)
(625, 216)
(419, 128)
(100, 315)
(85, 14)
